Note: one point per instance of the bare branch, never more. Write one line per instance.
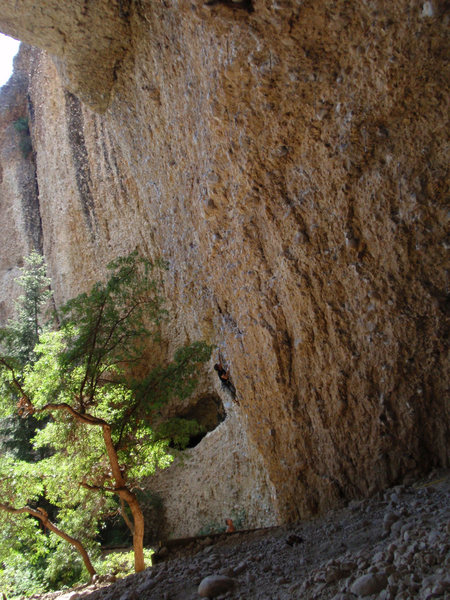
(42, 515)
(96, 329)
(98, 488)
(79, 416)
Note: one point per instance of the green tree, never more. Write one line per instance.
(17, 342)
(21, 334)
(106, 431)
(22, 487)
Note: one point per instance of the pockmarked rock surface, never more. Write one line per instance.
(20, 220)
(341, 556)
(290, 165)
(223, 477)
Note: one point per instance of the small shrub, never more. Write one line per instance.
(64, 568)
(21, 125)
(19, 578)
(212, 527)
(121, 564)
(239, 518)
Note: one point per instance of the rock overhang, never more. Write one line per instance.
(87, 40)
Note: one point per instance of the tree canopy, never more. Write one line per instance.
(21, 334)
(106, 432)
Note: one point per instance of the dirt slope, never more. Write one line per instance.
(395, 545)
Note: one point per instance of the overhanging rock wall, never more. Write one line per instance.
(290, 164)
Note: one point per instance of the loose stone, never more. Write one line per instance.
(214, 585)
(369, 584)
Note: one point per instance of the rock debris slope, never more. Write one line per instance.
(290, 164)
(395, 545)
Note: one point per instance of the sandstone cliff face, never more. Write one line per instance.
(20, 223)
(290, 165)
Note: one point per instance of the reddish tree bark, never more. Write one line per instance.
(41, 514)
(120, 487)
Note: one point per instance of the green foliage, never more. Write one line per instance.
(24, 562)
(16, 435)
(179, 431)
(78, 451)
(19, 577)
(17, 342)
(178, 379)
(107, 326)
(19, 338)
(51, 562)
(21, 125)
(22, 556)
(114, 532)
(85, 365)
(19, 481)
(238, 517)
(80, 376)
(120, 564)
(55, 566)
(211, 527)
(64, 568)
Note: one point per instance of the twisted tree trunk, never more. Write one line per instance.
(121, 489)
(127, 495)
(42, 515)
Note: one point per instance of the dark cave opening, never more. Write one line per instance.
(194, 440)
(209, 412)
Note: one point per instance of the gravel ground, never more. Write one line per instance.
(395, 545)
